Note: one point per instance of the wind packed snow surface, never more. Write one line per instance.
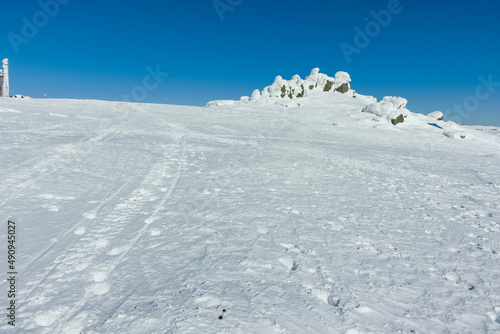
(137, 218)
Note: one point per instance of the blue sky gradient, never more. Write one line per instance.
(440, 55)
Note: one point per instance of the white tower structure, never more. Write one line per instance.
(5, 86)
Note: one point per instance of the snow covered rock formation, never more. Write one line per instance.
(391, 108)
(319, 90)
(297, 87)
(437, 115)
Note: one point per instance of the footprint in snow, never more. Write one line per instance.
(99, 276)
(100, 243)
(81, 266)
(89, 215)
(150, 220)
(155, 232)
(80, 230)
(115, 251)
(262, 230)
(289, 263)
(332, 300)
(294, 211)
(47, 318)
(99, 289)
(144, 192)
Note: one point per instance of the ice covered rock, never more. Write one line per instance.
(297, 87)
(456, 134)
(343, 88)
(342, 77)
(391, 108)
(437, 115)
(313, 77)
(328, 86)
(397, 120)
(255, 95)
(341, 82)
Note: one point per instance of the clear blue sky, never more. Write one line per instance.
(431, 52)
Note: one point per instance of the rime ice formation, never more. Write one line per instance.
(296, 87)
(390, 108)
(5, 85)
(437, 115)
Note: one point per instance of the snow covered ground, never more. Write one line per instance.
(141, 218)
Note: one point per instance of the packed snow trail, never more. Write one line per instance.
(153, 218)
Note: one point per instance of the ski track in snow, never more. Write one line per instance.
(152, 219)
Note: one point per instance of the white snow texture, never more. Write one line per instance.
(323, 218)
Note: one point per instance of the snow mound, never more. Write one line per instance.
(437, 115)
(457, 134)
(255, 95)
(390, 108)
(217, 103)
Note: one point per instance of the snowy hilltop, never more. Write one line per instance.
(320, 89)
